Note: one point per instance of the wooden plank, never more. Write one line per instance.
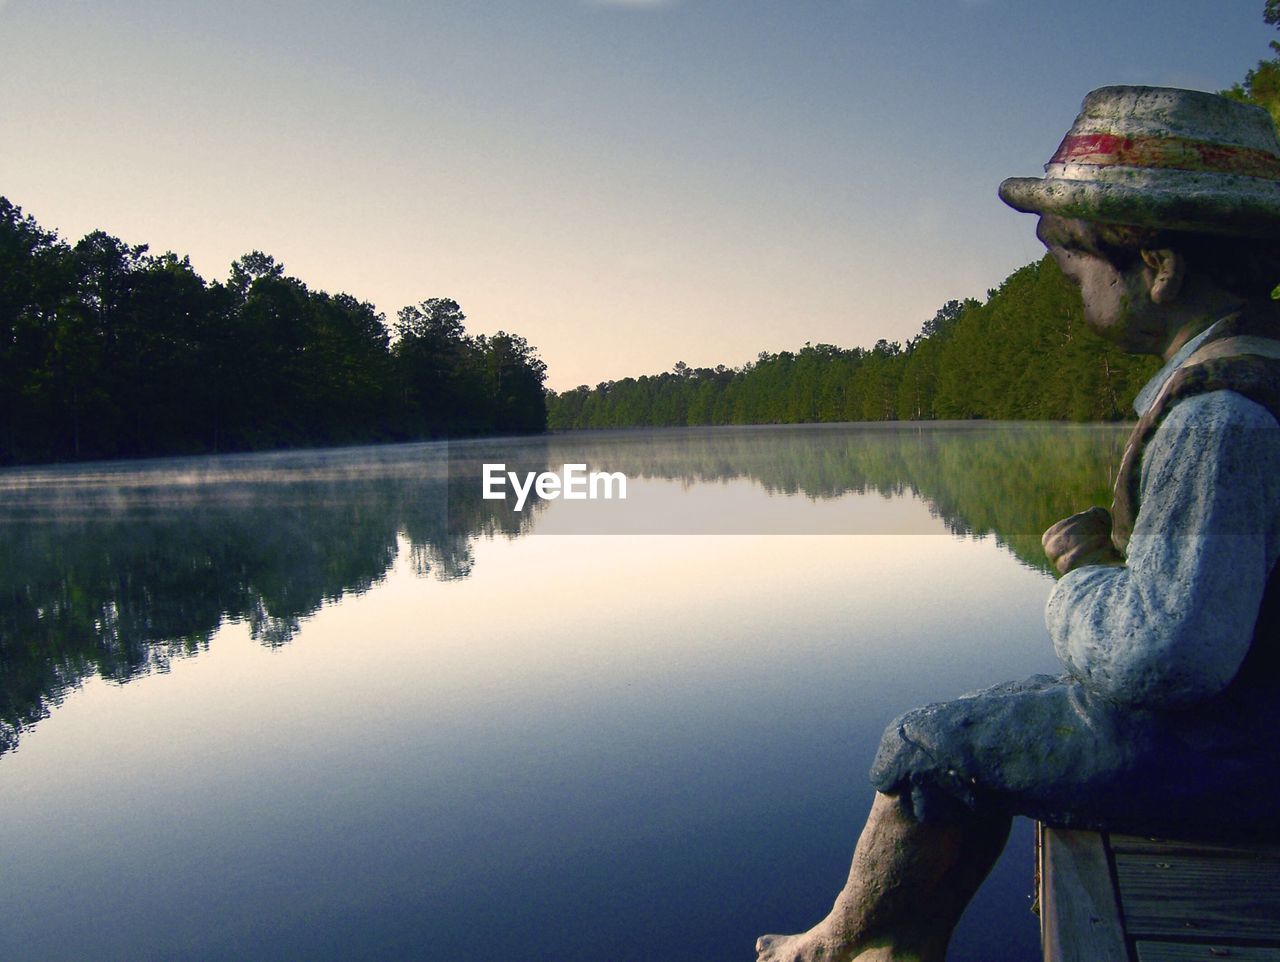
(1164, 846)
(1185, 952)
(1080, 915)
(1205, 896)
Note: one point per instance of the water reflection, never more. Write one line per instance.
(115, 570)
(978, 478)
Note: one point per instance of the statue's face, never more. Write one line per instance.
(1117, 304)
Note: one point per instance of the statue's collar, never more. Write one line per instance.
(1151, 390)
(1254, 329)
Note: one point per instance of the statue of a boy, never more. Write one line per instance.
(1164, 207)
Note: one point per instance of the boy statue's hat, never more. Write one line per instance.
(1162, 157)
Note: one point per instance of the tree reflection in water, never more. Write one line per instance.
(117, 569)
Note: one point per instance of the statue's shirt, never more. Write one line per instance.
(1155, 728)
(1174, 624)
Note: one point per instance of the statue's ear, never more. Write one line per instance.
(1168, 269)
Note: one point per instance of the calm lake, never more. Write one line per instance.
(336, 705)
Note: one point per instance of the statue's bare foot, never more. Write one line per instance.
(806, 947)
(820, 944)
(907, 886)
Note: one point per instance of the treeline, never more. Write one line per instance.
(108, 351)
(1024, 354)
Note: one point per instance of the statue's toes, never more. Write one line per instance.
(765, 944)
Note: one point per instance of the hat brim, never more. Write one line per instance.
(1250, 210)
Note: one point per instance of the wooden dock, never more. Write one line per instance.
(1123, 898)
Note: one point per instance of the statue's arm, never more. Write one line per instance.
(1173, 625)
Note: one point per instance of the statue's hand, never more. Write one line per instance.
(1082, 539)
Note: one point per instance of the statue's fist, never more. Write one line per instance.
(1082, 539)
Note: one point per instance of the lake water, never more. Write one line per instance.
(335, 705)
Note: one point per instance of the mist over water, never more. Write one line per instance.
(337, 705)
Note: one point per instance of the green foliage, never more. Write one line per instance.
(1261, 85)
(477, 385)
(1024, 354)
(107, 351)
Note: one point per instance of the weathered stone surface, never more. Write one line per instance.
(1159, 156)
(1170, 681)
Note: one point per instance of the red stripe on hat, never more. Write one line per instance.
(1166, 153)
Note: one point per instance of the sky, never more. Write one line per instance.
(625, 183)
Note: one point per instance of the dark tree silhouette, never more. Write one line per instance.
(108, 351)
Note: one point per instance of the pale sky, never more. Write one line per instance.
(626, 183)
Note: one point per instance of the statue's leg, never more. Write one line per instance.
(908, 884)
